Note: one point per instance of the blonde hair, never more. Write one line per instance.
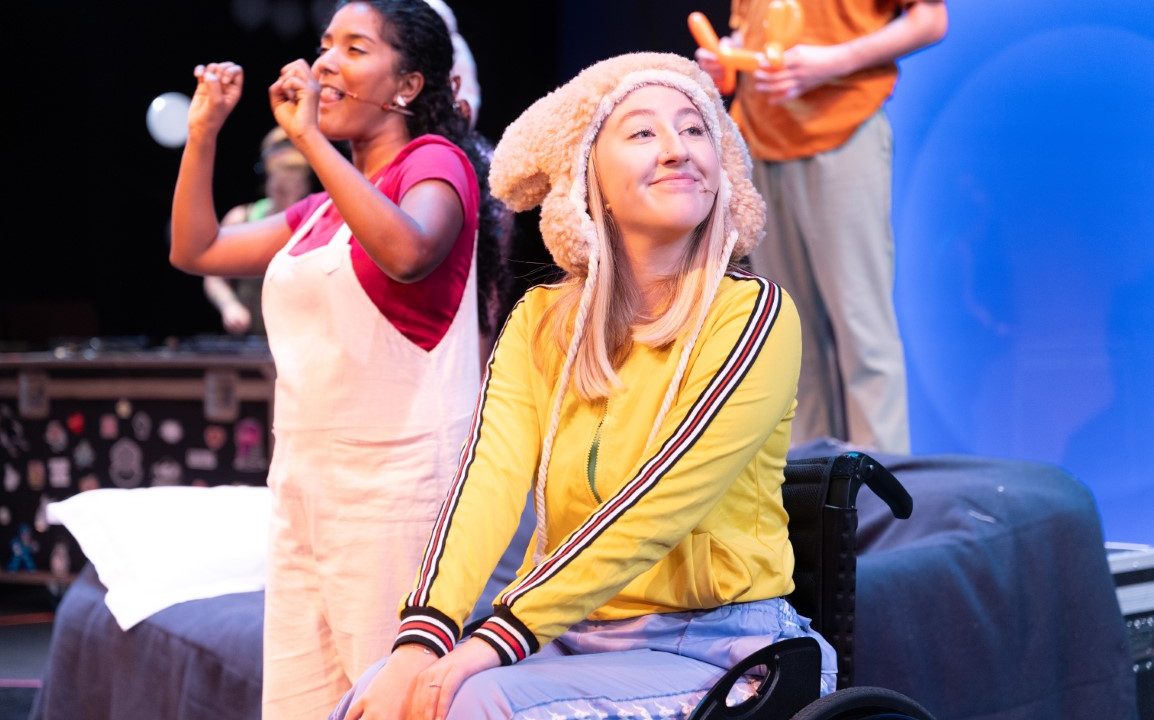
(616, 318)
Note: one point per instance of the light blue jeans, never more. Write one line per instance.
(653, 666)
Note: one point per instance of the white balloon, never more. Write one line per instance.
(167, 119)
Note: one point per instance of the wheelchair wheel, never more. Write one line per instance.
(864, 703)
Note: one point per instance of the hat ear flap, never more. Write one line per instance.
(746, 205)
(569, 229)
(519, 172)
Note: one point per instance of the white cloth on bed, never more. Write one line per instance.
(155, 547)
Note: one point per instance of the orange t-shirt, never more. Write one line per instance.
(826, 116)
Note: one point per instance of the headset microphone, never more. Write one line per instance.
(397, 107)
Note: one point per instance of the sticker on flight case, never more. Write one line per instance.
(221, 396)
(11, 478)
(75, 423)
(124, 408)
(83, 454)
(142, 425)
(24, 547)
(40, 522)
(36, 474)
(88, 482)
(200, 459)
(109, 426)
(170, 431)
(248, 436)
(166, 471)
(126, 463)
(59, 562)
(56, 436)
(215, 437)
(59, 472)
(12, 433)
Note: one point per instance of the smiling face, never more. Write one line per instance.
(657, 166)
(358, 72)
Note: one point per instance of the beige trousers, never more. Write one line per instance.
(829, 243)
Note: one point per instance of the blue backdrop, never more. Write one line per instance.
(1023, 205)
(1024, 216)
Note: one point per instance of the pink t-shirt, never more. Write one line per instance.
(422, 311)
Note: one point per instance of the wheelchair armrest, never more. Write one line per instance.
(792, 681)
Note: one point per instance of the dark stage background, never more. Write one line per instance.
(95, 189)
(1023, 195)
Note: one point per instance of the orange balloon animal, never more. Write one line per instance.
(782, 23)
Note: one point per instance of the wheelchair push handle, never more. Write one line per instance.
(871, 473)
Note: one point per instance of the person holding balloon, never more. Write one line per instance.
(812, 79)
(370, 301)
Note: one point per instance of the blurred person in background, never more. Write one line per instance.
(287, 179)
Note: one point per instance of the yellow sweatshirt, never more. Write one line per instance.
(692, 521)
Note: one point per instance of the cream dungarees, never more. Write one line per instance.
(367, 430)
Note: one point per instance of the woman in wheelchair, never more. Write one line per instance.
(646, 399)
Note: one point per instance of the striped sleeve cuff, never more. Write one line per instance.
(425, 626)
(505, 634)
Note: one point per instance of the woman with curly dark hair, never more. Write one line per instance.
(374, 294)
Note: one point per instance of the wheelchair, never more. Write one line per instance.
(820, 496)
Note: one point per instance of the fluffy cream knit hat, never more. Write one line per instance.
(543, 159)
(543, 156)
